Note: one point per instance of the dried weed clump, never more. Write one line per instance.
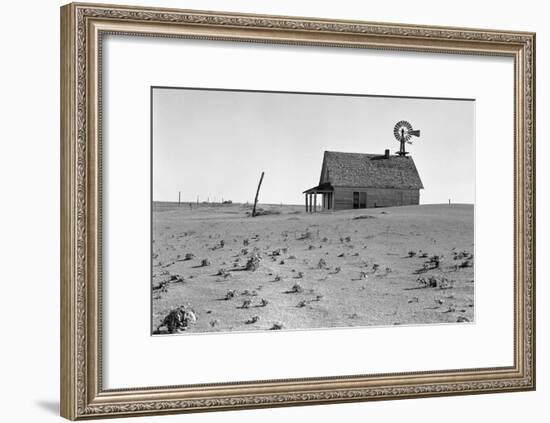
(178, 319)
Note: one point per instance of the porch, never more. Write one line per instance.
(326, 191)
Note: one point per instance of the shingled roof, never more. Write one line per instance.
(369, 170)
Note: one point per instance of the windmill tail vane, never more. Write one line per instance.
(403, 132)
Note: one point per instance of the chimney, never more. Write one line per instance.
(387, 154)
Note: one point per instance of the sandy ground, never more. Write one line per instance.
(352, 268)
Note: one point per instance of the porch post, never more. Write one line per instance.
(306, 203)
(315, 202)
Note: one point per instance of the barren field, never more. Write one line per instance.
(292, 270)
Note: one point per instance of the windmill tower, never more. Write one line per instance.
(403, 132)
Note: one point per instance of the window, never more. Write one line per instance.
(355, 200)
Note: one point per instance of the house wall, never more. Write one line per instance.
(376, 197)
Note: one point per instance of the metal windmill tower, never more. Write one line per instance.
(403, 132)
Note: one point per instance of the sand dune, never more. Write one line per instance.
(399, 265)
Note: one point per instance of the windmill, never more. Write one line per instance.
(403, 132)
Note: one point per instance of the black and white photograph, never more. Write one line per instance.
(290, 210)
(262, 211)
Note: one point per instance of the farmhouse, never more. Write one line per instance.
(355, 181)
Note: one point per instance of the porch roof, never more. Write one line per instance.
(326, 187)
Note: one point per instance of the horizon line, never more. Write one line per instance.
(283, 204)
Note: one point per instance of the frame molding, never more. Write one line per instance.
(82, 26)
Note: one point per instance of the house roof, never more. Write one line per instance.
(325, 187)
(369, 170)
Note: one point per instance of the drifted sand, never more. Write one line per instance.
(388, 296)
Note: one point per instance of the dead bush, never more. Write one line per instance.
(178, 319)
(295, 289)
(253, 263)
(253, 320)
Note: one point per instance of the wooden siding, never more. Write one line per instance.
(376, 197)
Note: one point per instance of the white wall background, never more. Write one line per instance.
(29, 171)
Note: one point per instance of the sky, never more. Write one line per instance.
(214, 144)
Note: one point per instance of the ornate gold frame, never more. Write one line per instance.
(82, 26)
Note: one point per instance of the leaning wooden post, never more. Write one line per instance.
(257, 193)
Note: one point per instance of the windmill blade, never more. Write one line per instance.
(403, 132)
